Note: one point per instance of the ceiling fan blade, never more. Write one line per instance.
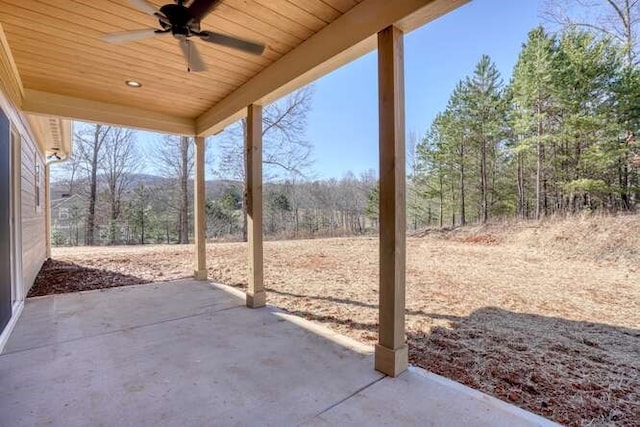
(144, 6)
(191, 54)
(201, 8)
(131, 36)
(232, 42)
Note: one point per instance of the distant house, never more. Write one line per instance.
(68, 220)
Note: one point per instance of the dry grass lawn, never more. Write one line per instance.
(530, 315)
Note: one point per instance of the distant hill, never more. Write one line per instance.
(215, 187)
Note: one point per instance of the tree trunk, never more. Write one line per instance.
(634, 183)
(115, 213)
(142, 226)
(244, 184)
(463, 214)
(521, 190)
(545, 198)
(623, 172)
(93, 188)
(539, 167)
(184, 189)
(441, 201)
(453, 201)
(244, 214)
(484, 182)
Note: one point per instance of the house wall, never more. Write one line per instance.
(24, 152)
(33, 211)
(33, 215)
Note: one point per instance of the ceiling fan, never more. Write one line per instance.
(182, 20)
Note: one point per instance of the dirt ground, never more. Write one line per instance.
(559, 336)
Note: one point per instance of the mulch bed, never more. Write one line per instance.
(576, 373)
(58, 277)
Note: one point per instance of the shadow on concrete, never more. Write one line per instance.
(118, 357)
(575, 372)
(335, 320)
(59, 277)
(347, 301)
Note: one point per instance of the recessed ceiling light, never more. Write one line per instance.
(133, 83)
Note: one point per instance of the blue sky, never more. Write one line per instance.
(343, 123)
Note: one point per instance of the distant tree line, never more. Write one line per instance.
(559, 138)
(116, 204)
(299, 209)
(113, 205)
(304, 209)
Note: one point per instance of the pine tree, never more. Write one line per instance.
(560, 138)
(585, 73)
(486, 117)
(532, 88)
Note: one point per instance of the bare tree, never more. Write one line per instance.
(121, 161)
(89, 143)
(284, 133)
(175, 159)
(617, 19)
(285, 150)
(68, 172)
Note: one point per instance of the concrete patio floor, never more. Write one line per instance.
(189, 353)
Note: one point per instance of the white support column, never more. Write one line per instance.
(256, 296)
(391, 352)
(199, 200)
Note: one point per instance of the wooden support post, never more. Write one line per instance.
(47, 210)
(199, 200)
(391, 352)
(256, 296)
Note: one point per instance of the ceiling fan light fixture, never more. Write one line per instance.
(133, 83)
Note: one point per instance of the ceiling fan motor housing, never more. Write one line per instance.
(180, 21)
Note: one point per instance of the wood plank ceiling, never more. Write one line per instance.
(57, 48)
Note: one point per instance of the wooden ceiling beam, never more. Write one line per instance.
(345, 39)
(10, 82)
(51, 104)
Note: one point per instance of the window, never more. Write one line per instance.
(63, 213)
